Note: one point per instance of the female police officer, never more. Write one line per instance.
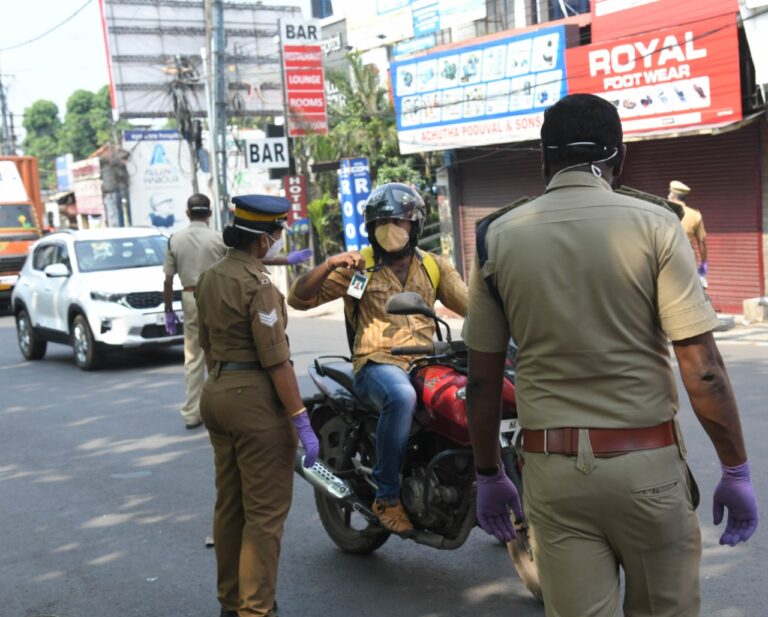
(247, 404)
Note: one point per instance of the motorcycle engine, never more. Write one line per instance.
(414, 495)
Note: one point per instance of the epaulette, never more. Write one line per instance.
(654, 199)
(487, 220)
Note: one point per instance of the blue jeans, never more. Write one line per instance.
(388, 388)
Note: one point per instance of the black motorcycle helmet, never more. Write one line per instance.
(395, 201)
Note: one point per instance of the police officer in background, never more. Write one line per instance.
(190, 252)
(591, 283)
(693, 223)
(251, 406)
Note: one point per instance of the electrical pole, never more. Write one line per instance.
(5, 136)
(220, 100)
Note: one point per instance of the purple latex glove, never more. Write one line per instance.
(495, 495)
(735, 491)
(170, 323)
(703, 268)
(296, 257)
(307, 437)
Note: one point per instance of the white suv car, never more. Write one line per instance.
(95, 290)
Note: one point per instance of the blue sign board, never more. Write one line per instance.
(491, 92)
(64, 172)
(426, 17)
(387, 6)
(354, 189)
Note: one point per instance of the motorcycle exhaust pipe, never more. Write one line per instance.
(322, 478)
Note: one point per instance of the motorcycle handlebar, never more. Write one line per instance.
(416, 350)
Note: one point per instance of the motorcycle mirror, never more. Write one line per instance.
(408, 303)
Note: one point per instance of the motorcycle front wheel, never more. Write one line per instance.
(349, 530)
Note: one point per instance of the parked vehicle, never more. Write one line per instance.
(21, 217)
(96, 290)
(438, 476)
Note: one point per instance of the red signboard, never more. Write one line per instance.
(296, 192)
(682, 76)
(303, 76)
(615, 19)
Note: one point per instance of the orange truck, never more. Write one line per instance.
(21, 217)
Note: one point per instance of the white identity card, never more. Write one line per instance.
(357, 285)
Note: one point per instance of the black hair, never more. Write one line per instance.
(581, 118)
(199, 207)
(240, 239)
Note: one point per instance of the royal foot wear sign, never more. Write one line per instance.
(665, 79)
(492, 92)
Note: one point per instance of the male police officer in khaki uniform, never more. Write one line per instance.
(190, 252)
(692, 221)
(590, 284)
(251, 406)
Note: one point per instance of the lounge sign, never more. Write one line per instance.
(682, 76)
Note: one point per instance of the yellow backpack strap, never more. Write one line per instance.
(430, 265)
(367, 253)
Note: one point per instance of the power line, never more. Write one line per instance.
(47, 32)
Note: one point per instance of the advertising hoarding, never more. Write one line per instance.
(64, 172)
(86, 176)
(160, 172)
(303, 76)
(615, 19)
(491, 92)
(354, 189)
(681, 76)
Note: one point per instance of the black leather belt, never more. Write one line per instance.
(240, 366)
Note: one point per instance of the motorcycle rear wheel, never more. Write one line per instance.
(349, 530)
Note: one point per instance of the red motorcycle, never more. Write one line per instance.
(438, 476)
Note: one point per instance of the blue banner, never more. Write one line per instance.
(491, 92)
(64, 172)
(426, 17)
(354, 189)
(411, 46)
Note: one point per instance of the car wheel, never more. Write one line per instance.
(87, 357)
(31, 344)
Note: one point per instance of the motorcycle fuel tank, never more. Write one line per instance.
(442, 391)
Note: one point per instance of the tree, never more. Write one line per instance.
(43, 129)
(79, 135)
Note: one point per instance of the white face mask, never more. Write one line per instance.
(275, 249)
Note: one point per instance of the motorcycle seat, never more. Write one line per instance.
(342, 373)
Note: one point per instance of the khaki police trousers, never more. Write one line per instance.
(633, 511)
(254, 447)
(194, 359)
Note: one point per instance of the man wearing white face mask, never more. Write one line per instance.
(394, 218)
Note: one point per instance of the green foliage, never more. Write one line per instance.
(325, 215)
(43, 128)
(87, 126)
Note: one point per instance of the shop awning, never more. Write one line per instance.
(708, 129)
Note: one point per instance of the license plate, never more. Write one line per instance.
(508, 426)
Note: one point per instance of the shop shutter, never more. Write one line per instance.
(723, 172)
(491, 179)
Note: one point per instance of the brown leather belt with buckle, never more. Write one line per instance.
(606, 442)
(190, 288)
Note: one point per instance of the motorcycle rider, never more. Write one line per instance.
(394, 219)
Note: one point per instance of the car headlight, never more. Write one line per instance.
(103, 296)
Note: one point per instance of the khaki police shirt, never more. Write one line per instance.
(242, 314)
(593, 284)
(378, 331)
(693, 224)
(193, 250)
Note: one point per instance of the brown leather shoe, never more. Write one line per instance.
(393, 517)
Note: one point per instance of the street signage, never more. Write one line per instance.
(302, 51)
(354, 189)
(296, 192)
(490, 92)
(682, 76)
(267, 153)
(86, 175)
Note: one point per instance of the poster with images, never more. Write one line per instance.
(490, 92)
